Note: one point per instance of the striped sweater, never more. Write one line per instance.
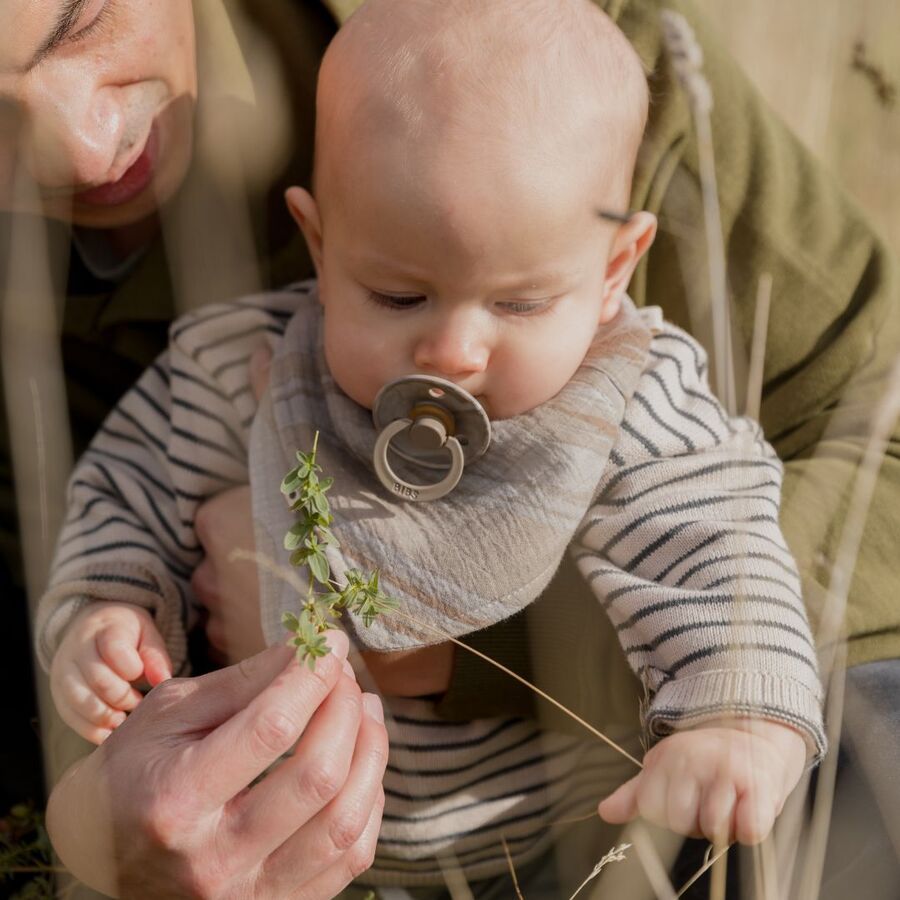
(681, 547)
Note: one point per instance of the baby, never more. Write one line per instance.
(464, 153)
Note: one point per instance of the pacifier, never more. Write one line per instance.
(431, 423)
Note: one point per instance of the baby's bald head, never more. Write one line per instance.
(409, 86)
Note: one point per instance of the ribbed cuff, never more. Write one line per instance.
(686, 702)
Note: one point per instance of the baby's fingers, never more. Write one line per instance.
(683, 806)
(117, 646)
(755, 813)
(154, 657)
(80, 708)
(621, 806)
(108, 685)
(717, 812)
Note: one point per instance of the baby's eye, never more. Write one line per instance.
(525, 307)
(396, 301)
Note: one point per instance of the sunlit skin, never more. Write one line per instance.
(462, 247)
(111, 104)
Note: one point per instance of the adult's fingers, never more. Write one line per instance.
(209, 700)
(351, 865)
(302, 785)
(263, 727)
(336, 839)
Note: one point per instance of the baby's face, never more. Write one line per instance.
(492, 280)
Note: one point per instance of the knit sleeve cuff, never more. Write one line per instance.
(684, 703)
(62, 602)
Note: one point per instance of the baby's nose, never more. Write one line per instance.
(452, 353)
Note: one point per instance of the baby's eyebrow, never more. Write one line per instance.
(613, 216)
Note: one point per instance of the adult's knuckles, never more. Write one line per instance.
(273, 733)
(362, 855)
(347, 826)
(319, 780)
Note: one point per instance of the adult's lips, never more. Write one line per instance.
(135, 179)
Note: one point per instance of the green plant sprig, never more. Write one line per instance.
(308, 540)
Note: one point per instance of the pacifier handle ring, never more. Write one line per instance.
(396, 485)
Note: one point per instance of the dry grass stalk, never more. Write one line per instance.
(766, 883)
(883, 421)
(687, 60)
(653, 865)
(524, 681)
(708, 862)
(512, 868)
(823, 801)
(617, 854)
(758, 347)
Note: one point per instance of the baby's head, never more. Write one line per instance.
(463, 151)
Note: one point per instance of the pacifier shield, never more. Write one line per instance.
(432, 398)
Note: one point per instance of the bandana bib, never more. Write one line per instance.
(466, 560)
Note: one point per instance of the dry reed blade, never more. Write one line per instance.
(512, 868)
(687, 60)
(708, 863)
(524, 681)
(882, 424)
(758, 347)
(823, 797)
(653, 865)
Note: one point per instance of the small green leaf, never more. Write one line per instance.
(290, 621)
(319, 567)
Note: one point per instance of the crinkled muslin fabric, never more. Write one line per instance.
(467, 560)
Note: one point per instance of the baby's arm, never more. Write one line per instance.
(107, 646)
(683, 549)
(726, 780)
(177, 438)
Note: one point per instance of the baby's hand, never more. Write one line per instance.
(726, 780)
(107, 646)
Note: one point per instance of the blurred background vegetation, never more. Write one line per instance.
(832, 69)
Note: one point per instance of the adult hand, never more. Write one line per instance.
(163, 807)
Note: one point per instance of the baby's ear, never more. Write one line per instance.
(633, 239)
(305, 211)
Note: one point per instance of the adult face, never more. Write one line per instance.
(96, 104)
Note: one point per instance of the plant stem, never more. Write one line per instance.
(527, 684)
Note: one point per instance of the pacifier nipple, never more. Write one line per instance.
(429, 423)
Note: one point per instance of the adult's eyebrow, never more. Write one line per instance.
(69, 13)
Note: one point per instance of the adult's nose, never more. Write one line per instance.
(74, 133)
(453, 347)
